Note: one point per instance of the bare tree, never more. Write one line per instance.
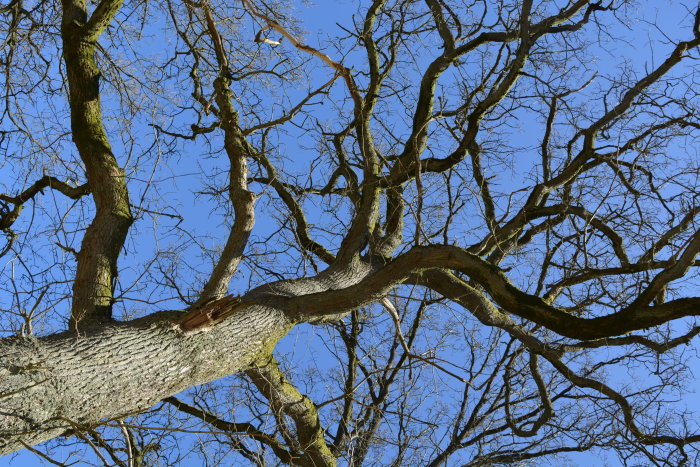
(487, 211)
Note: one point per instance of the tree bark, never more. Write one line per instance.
(93, 289)
(49, 386)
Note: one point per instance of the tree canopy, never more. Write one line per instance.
(385, 232)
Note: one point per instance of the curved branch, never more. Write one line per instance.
(547, 412)
(47, 181)
(338, 67)
(246, 429)
(93, 288)
(498, 286)
(286, 399)
(238, 150)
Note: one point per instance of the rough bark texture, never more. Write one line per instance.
(286, 399)
(238, 150)
(50, 386)
(93, 289)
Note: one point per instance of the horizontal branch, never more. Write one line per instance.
(47, 182)
(497, 285)
(9, 216)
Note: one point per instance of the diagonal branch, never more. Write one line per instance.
(238, 150)
(93, 288)
(338, 67)
(285, 399)
(101, 17)
(234, 428)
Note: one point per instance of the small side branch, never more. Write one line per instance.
(46, 182)
(8, 215)
(389, 307)
(338, 67)
(245, 429)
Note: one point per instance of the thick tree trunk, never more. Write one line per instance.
(53, 385)
(50, 386)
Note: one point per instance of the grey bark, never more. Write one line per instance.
(48, 386)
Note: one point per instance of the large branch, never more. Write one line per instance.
(50, 385)
(238, 150)
(54, 384)
(285, 399)
(103, 15)
(460, 292)
(104, 238)
(494, 281)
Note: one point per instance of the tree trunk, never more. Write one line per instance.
(53, 385)
(50, 386)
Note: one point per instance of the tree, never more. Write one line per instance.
(492, 233)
